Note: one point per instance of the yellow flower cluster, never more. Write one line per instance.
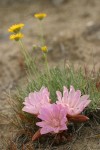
(44, 49)
(16, 30)
(40, 16)
(16, 37)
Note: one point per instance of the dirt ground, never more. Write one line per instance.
(72, 31)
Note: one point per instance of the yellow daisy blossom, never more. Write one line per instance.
(40, 16)
(16, 37)
(16, 28)
(44, 49)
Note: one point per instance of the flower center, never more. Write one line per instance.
(69, 106)
(55, 122)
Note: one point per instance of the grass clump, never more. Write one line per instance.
(63, 77)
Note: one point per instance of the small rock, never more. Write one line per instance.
(90, 23)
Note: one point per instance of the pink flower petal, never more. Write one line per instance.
(53, 118)
(36, 100)
(59, 95)
(46, 130)
(73, 101)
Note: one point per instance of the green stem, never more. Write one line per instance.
(28, 60)
(26, 57)
(47, 66)
(24, 51)
(43, 44)
(42, 33)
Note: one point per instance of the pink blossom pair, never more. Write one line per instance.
(54, 116)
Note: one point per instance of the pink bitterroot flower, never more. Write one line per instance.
(53, 118)
(72, 100)
(36, 100)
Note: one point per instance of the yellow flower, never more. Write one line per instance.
(44, 49)
(40, 16)
(16, 37)
(16, 28)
